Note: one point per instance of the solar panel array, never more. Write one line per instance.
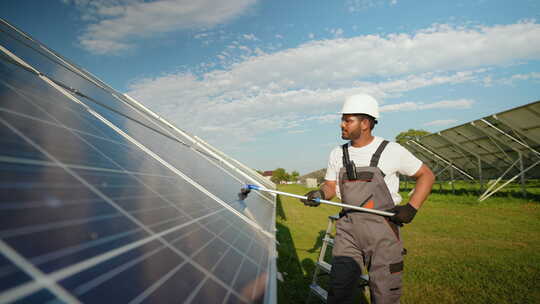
(100, 201)
(499, 146)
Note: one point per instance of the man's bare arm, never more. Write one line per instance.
(424, 181)
(329, 189)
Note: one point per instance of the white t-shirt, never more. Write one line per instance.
(394, 160)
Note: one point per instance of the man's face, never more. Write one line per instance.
(351, 126)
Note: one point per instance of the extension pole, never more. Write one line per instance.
(318, 200)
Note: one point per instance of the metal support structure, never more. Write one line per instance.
(498, 179)
(480, 176)
(424, 156)
(482, 147)
(478, 157)
(518, 152)
(494, 140)
(452, 178)
(510, 136)
(506, 135)
(486, 194)
(500, 146)
(513, 127)
(436, 162)
(535, 113)
(523, 188)
(435, 155)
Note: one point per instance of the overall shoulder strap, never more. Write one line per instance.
(348, 164)
(377, 155)
(346, 159)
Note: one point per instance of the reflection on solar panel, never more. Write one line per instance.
(101, 201)
(501, 146)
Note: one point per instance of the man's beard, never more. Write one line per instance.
(352, 136)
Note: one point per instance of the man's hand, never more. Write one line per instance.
(311, 196)
(403, 214)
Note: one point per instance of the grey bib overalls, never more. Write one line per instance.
(366, 239)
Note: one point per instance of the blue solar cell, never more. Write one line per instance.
(57, 141)
(11, 275)
(14, 146)
(211, 292)
(126, 276)
(26, 94)
(227, 267)
(211, 254)
(41, 296)
(48, 65)
(232, 299)
(246, 274)
(242, 242)
(179, 286)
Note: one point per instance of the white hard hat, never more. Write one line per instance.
(361, 104)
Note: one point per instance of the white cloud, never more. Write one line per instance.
(265, 92)
(116, 25)
(442, 122)
(360, 5)
(201, 35)
(311, 35)
(415, 106)
(296, 131)
(216, 109)
(523, 77)
(250, 37)
(331, 63)
(336, 32)
(488, 81)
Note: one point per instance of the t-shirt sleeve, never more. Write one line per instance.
(332, 169)
(409, 164)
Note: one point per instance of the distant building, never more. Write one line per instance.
(311, 182)
(318, 175)
(268, 174)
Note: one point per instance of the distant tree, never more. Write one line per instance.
(279, 175)
(294, 176)
(405, 136)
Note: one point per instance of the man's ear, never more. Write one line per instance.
(364, 124)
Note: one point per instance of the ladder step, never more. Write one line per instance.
(364, 280)
(319, 291)
(324, 266)
(329, 240)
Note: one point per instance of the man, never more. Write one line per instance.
(364, 172)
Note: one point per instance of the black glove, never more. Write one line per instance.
(403, 214)
(311, 196)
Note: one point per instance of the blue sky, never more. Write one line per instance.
(263, 80)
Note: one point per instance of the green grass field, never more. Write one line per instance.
(459, 250)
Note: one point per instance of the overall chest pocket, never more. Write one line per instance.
(357, 192)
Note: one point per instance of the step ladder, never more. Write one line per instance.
(322, 267)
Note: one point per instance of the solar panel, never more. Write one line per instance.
(101, 202)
